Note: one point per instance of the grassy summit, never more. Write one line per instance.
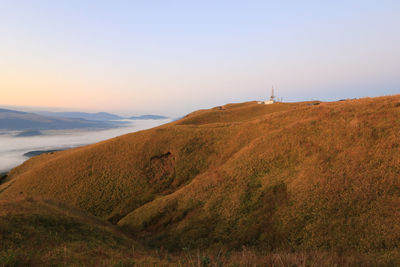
(287, 176)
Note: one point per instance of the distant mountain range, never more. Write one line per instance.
(148, 117)
(18, 120)
(46, 120)
(100, 116)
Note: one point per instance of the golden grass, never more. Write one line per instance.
(283, 177)
(37, 232)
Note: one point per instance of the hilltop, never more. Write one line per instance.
(297, 177)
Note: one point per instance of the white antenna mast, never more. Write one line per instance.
(272, 94)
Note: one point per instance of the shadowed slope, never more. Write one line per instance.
(283, 176)
(42, 233)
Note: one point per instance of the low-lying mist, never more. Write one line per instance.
(13, 148)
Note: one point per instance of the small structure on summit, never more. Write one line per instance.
(271, 99)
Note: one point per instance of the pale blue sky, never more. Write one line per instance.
(173, 57)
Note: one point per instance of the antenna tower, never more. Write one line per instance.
(272, 94)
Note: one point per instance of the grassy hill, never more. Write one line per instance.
(37, 232)
(284, 177)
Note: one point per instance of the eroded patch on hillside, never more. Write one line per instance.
(161, 169)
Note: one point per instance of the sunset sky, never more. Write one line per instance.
(173, 57)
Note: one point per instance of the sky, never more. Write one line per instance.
(174, 57)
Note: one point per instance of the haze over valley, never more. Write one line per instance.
(23, 132)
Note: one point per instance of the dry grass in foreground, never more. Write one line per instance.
(43, 233)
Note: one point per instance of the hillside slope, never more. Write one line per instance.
(36, 232)
(296, 176)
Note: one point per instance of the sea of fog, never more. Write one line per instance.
(13, 148)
